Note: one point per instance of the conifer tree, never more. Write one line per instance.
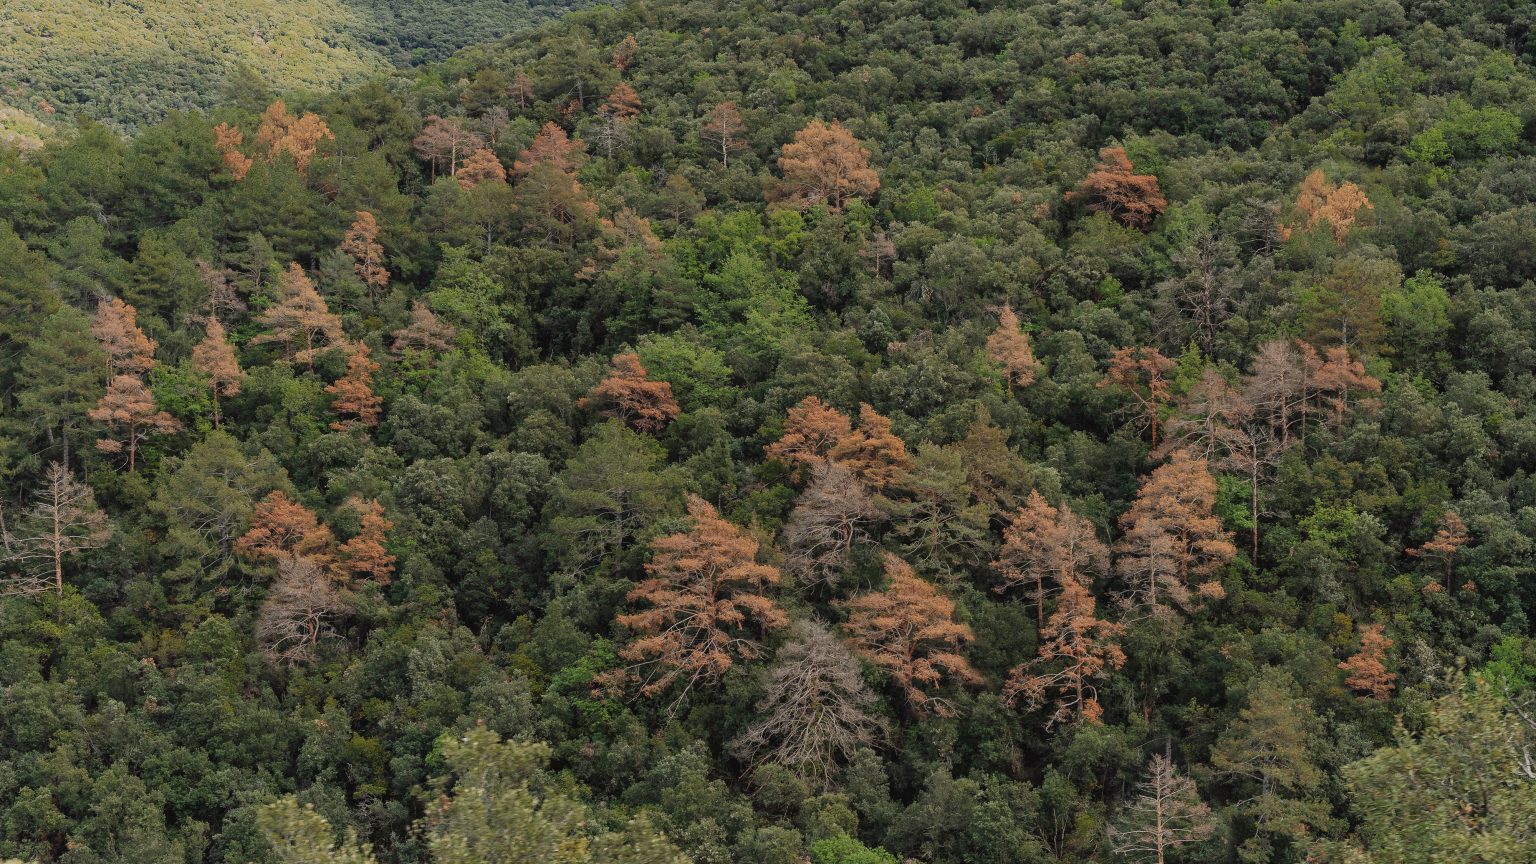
(129, 351)
(723, 131)
(283, 529)
(1140, 374)
(1077, 650)
(215, 358)
(129, 410)
(1044, 547)
(361, 243)
(873, 452)
(352, 395)
(365, 555)
(1166, 814)
(825, 163)
(812, 430)
(1115, 188)
(1008, 346)
(62, 522)
(301, 322)
(628, 395)
(1368, 668)
(1172, 540)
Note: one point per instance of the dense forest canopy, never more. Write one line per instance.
(711, 432)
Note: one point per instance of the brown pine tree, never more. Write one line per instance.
(834, 514)
(365, 556)
(826, 163)
(116, 327)
(812, 430)
(1368, 668)
(550, 147)
(1077, 650)
(1172, 539)
(723, 131)
(1167, 814)
(215, 358)
(873, 452)
(1450, 535)
(299, 612)
(616, 112)
(1008, 346)
(1044, 547)
(298, 136)
(62, 522)
(129, 409)
(1340, 377)
(1319, 202)
(283, 529)
(908, 630)
(1138, 372)
(425, 333)
(624, 53)
(227, 140)
(301, 322)
(522, 90)
(444, 141)
(706, 598)
(481, 166)
(361, 244)
(630, 396)
(352, 395)
(1115, 188)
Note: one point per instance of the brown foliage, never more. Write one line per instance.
(298, 613)
(1008, 346)
(1167, 814)
(705, 597)
(425, 333)
(481, 166)
(812, 430)
(116, 327)
(282, 132)
(1368, 668)
(633, 398)
(365, 555)
(1319, 201)
(1338, 378)
(129, 408)
(562, 207)
(1045, 547)
(550, 147)
(1077, 649)
(62, 521)
(826, 163)
(352, 395)
(1450, 535)
(1115, 188)
(909, 630)
(723, 130)
(301, 317)
(1172, 538)
(443, 141)
(1138, 372)
(873, 452)
(282, 529)
(215, 358)
(227, 140)
(361, 244)
(624, 52)
(835, 513)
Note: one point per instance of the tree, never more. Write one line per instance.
(1340, 376)
(129, 408)
(227, 140)
(624, 53)
(1008, 346)
(1047, 546)
(550, 147)
(816, 711)
(481, 166)
(283, 529)
(812, 430)
(61, 371)
(1139, 373)
(1115, 188)
(1267, 748)
(215, 358)
(1172, 537)
(616, 112)
(497, 806)
(705, 595)
(352, 395)
(833, 515)
(300, 318)
(1319, 201)
(632, 398)
(1078, 649)
(425, 333)
(522, 90)
(1368, 668)
(62, 522)
(365, 555)
(1345, 309)
(873, 452)
(443, 140)
(299, 612)
(361, 243)
(826, 163)
(129, 351)
(723, 131)
(1442, 549)
(908, 630)
(1167, 814)
(298, 136)
(299, 835)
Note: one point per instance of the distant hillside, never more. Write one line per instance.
(129, 62)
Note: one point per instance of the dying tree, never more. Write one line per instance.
(1442, 549)
(550, 147)
(1008, 346)
(835, 513)
(299, 136)
(1338, 379)
(299, 612)
(283, 529)
(816, 710)
(908, 630)
(812, 430)
(1077, 650)
(1044, 547)
(481, 166)
(361, 244)
(705, 599)
(443, 141)
(1140, 374)
(128, 409)
(227, 140)
(616, 113)
(873, 452)
(352, 395)
(301, 322)
(630, 396)
(365, 556)
(425, 333)
(1172, 539)
(724, 131)
(215, 358)
(1166, 813)
(62, 522)
(116, 327)
(1115, 188)
(825, 163)
(1319, 202)
(1368, 667)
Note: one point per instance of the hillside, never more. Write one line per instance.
(704, 432)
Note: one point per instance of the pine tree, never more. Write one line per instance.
(298, 136)
(826, 163)
(480, 166)
(299, 612)
(283, 529)
(352, 395)
(723, 131)
(1167, 814)
(1139, 373)
(1045, 547)
(1172, 538)
(215, 358)
(1319, 202)
(361, 243)
(874, 453)
(550, 147)
(631, 397)
(1368, 668)
(1008, 346)
(62, 522)
(129, 408)
(908, 630)
(227, 140)
(365, 555)
(425, 333)
(1450, 535)
(300, 318)
(812, 430)
(129, 351)
(833, 515)
(1115, 188)
(1077, 649)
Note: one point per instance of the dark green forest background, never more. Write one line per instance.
(344, 501)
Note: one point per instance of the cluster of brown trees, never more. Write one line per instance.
(127, 408)
(280, 132)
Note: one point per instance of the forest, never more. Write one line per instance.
(742, 432)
